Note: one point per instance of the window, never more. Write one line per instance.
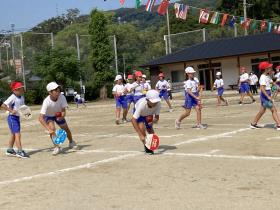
(177, 76)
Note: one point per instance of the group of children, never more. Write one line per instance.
(53, 111)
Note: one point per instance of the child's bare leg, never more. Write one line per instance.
(259, 115)
(12, 141)
(184, 115)
(275, 115)
(66, 128)
(219, 100)
(168, 103)
(118, 113)
(143, 130)
(17, 141)
(124, 113)
(198, 115)
(51, 126)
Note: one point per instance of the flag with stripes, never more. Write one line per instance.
(232, 21)
(269, 27)
(263, 25)
(215, 18)
(204, 16)
(150, 5)
(138, 3)
(183, 11)
(224, 20)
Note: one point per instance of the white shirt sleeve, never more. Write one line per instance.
(262, 80)
(10, 101)
(114, 88)
(64, 103)
(222, 82)
(44, 107)
(157, 85)
(188, 85)
(158, 109)
(137, 112)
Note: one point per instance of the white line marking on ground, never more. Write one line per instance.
(104, 151)
(272, 138)
(250, 157)
(75, 168)
(207, 138)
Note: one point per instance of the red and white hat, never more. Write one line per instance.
(138, 74)
(129, 76)
(265, 65)
(161, 75)
(16, 85)
(242, 68)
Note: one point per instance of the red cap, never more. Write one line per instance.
(129, 76)
(138, 74)
(161, 75)
(16, 85)
(265, 65)
(242, 68)
(278, 67)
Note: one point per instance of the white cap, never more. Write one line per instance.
(218, 73)
(52, 86)
(153, 96)
(75, 93)
(189, 70)
(144, 76)
(118, 77)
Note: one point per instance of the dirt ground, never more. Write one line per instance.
(226, 166)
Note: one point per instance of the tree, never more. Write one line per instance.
(101, 49)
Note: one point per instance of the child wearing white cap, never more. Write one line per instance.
(162, 86)
(142, 119)
(119, 92)
(192, 99)
(54, 111)
(219, 85)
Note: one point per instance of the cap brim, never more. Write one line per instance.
(54, 87)
(18, 87)
(155, 100)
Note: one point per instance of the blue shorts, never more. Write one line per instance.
(264, 99)
(80, 101)
(121, 102)
(137, 98)
(142, 119)
(54, 119)
(163, 94)
(190, 102)
(220, 91)
(130, 99)
(14, 124)
(244, 87)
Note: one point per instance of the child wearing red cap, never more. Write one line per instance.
(138, 87)
(162, 86)
(244, 85)
(265, 96)
(12, 105)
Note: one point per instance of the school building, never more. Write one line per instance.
(224, 55)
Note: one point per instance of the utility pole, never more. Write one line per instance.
(116, 55)
(245, 15)
(22, 61)
(168, 31)
(78, 47)
(124, 67)
(12, 40)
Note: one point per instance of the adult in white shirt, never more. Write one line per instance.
(54, 111)
(142, 119)
(253, 83)
(265, 96)
(277, 75)
(244, 85)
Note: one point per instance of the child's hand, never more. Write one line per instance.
(13, 112)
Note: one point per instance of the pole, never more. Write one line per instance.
(52, 40)
(235, 30)
(166, 44)
(124, 67)
(22, 61)
(78, 47)
(245, 15)
(0, 58)
(204, 34)
(12, 40)
(7, 56)
(168, 31)
(116, 55)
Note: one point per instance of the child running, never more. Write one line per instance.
(79, 100)
(162, 86)
(244, 85)
(54, 111)
(142, 119)
(138, 87)
(219, 85)
(119, 93)
(265, 96)
(192, 99)
(12, 105)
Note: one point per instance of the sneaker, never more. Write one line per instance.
(22, 154)
(124, 121)
(177, 124)
(240, 103)
(11, 153)
(170, 110)
(200, 126)
(117, 122)
(73, 145)
(254, 101)
(56, 150)
(226, 102)
(278, 127)
(255, 126)
(148, 151)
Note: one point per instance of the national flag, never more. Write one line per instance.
(177, 9)
(183, 11)
(138, 3)
(122, 2)
(263, 25)
(215, 18)
(204, 16)
(269, 27)
(150, 5)
(163, 7)
(246, 23)
(232, 21)
(224, 20)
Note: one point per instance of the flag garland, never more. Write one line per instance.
(150, 5)
(163, 7)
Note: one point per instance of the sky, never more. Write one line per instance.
(26, 14)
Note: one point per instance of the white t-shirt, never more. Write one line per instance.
(253, 79)
(50, 107)
(219, 83)
(147, 86)
(162, 85)
(78, 96)
(142, 109)
(192, 84)
(265, 81)
(139, 89)
(119, 89)
(277, 75)
(14, 102)
(128, 87)
(244, 77)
